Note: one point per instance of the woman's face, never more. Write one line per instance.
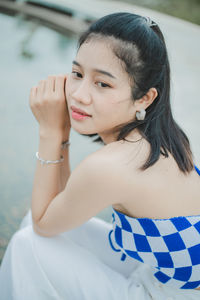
(99, 86)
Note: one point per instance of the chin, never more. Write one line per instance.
(82, 130)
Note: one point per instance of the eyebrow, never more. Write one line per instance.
(96, 70)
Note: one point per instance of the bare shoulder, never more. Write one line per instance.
(117, 155)
(116, 160)
(114, 166)
(99, 163)
(97, 177)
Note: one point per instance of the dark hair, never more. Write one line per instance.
(141, 48)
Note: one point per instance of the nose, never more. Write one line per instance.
(82, 92)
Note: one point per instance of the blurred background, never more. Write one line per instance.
(38, 38)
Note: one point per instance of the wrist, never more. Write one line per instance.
(65, 145)
(66, 135)
(50, 135)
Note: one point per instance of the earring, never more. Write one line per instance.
(140, 115)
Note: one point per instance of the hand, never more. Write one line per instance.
(48, 105)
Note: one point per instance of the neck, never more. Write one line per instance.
(108, 138)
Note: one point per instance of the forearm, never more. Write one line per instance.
(65, 170)
(49, 180)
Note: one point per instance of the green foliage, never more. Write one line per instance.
(188, 10)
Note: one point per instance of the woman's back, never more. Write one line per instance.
(161, 191)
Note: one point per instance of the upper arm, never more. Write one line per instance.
(91, 187)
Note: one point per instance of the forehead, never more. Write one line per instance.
(98, 54)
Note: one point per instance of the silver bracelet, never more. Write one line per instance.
(65, 145)
(43, 161)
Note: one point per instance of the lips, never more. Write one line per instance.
(80, 111)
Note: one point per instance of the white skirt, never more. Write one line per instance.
(77, 265)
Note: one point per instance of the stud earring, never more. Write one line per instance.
(140, 115)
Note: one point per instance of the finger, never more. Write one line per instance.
(60, 84)
(66, 75)
(41, 87)
(33, 94)
(50, 84)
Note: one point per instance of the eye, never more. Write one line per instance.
(77, 74)
(104, 85)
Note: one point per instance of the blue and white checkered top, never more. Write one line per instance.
(170, 246)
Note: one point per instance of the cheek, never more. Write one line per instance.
(107, 112)
(117, 110)
(107, 102)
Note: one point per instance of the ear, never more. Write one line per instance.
(148, 98)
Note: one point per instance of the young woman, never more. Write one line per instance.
(119, 93)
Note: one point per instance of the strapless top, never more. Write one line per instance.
(170, 246)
